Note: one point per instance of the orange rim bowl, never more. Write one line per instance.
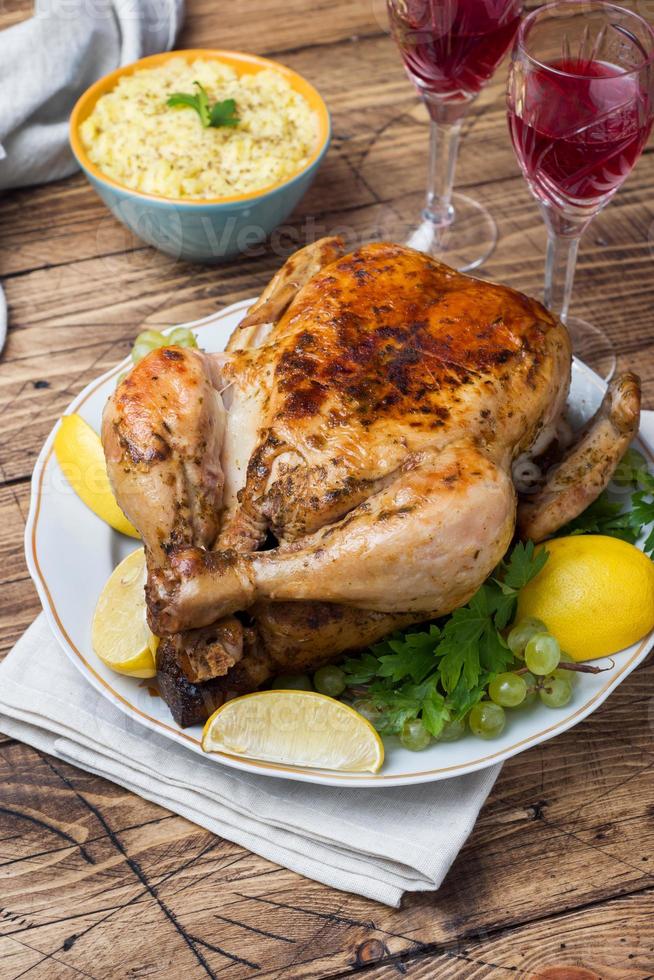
(243, 64)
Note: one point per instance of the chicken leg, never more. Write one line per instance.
(588, 465)
(423, 544)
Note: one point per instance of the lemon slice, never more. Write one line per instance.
(295, 728)
(80, 455)
(120, 634)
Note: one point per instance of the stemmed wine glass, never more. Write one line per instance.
(580, 106)
(450, 49)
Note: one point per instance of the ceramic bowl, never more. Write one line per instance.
(204, 230)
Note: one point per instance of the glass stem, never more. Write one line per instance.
(443, 148)
(563, 237)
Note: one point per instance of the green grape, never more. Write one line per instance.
(567, 675)
(152, 337)
(522, 632)
(147, 340)
(542, 654)
(508, 690)
(181, 337)
(371, 713)
(292, 682)
(414, 735)
(487, 719)
(139, 351)
(330, 681)
(452, 731)
(532, 693)
(556, 691)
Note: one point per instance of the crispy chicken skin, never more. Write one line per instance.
(162, 435)
(344, 468)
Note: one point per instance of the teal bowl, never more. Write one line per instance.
(202, 230)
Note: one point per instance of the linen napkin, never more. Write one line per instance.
(47, 61)
(378, 843)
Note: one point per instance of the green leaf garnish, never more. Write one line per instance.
(438, 673)
(523, 565)
(412, 656)
(361, 670)
(219, 114)
(224, 113)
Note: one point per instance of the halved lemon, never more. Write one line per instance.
(120, 634)
(295, 728)
(80, 455)
(595, 594)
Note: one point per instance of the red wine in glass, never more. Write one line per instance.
(451, 48)
(580, 109)
(580, 129)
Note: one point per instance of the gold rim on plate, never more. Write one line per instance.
(315, 776)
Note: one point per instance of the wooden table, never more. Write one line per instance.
(96, 882)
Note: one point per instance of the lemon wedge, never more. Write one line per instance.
(595, 594)
(119, 633)
(295, 728)
(80, 455)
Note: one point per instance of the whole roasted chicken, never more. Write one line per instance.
(345, 467)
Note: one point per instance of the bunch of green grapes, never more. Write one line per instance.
(541, 677)
(149, 340)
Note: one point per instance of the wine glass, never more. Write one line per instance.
(450, 49)
(580, 107)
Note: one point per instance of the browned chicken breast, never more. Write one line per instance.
(345, 467)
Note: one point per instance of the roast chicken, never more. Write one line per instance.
(348, 466)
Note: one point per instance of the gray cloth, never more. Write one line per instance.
(379, 843)
(46, 63)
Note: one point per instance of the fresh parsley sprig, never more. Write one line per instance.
(438, 673)
(219, 114)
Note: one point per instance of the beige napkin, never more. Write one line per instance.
(378, 843)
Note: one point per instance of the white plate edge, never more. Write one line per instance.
(316, 777)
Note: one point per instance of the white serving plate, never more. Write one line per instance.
(71, 553)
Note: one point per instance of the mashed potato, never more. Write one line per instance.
(135, 138)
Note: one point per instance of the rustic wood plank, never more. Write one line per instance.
(269, 29)
(19, 603)
(568, 825)
(16, 957)
(97, 882)
(13, 12)
(613, 942)
(261, 29)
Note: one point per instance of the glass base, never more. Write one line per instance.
(592, 346)
(463, 243)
